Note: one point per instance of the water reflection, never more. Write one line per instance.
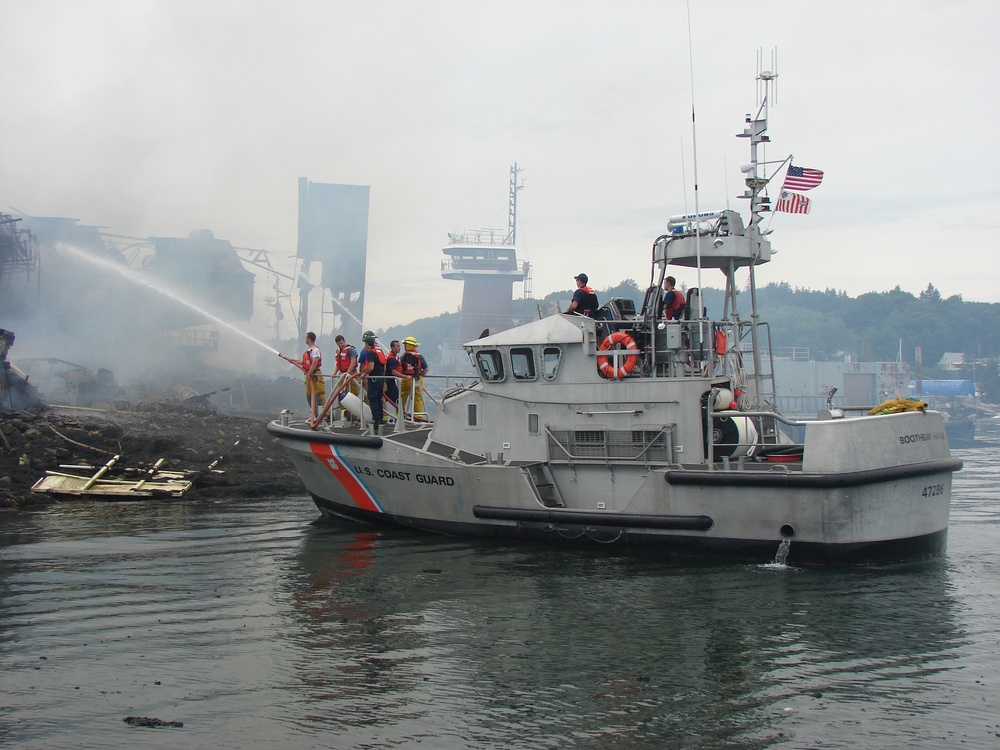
(259, 628)
(410, 636)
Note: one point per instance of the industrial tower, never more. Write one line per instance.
(486, 261)
(333, 229)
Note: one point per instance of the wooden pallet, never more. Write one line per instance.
(153, 483)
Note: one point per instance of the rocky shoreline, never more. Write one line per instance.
(189, 438)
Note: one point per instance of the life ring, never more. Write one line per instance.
(605, 364)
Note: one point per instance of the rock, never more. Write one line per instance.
(149, 721)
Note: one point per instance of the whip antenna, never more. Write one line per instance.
(694, 148)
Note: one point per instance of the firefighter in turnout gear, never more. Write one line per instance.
(412, 368)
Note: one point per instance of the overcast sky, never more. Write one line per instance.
(158, 117)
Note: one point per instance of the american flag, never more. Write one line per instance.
(802, 178)
(792, 203)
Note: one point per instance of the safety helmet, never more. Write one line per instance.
(410, 341)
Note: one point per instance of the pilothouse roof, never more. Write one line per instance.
(555, 329)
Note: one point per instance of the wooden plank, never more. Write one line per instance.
(149, 474)
(99, 474)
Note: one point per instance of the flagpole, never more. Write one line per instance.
(756, 207)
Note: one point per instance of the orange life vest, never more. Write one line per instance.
(344, 357)
(307, 360)
(676, 304)
(378, 360)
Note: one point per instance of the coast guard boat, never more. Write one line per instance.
(634, 431)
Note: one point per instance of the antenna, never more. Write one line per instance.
(512, 207)
(725, 176)
(767, 79)
(694, 149)
(684, 179)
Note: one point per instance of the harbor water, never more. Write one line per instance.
(256, 626)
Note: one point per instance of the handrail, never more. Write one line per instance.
(769, 414)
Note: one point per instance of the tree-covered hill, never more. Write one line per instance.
(880, 325)
(876, 326)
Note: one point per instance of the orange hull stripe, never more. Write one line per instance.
(346, 475)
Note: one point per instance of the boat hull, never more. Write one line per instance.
(678, 546)
(869, 515)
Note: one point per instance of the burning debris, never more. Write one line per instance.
(160, 446)
(16, 393)
(18, 248)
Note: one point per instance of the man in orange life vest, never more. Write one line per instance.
(584, 299)
(673, 299)
(371, 364)
(312, 361)
(347, 364)
(347, 357)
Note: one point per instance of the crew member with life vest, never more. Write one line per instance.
(412, 367)
(584, 299)
(371, 364)
(392, 368)
(673, 299)
(347, 365)
(347, 357)
(312, 361)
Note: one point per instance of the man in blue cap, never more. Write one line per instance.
(371, 364)
(584, 299)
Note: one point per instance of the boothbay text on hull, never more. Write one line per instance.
(630, 430)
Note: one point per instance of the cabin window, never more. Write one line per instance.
(533, 425)
(522, 364)
(490, 365)
(473, 415)
(550, 362)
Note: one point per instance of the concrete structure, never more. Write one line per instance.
(333, 229)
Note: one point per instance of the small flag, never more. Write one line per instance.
(801, 178)
(792, 203)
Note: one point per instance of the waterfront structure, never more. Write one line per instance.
(485, 260)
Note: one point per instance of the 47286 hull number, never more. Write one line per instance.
(933, 489)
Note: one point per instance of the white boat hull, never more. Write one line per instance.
(862, 507)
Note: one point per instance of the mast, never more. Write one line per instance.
(756, 131)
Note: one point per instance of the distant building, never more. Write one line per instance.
(208, 270)
(804, 387)
(951, 361)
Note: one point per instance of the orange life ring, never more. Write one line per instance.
(619, 340)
